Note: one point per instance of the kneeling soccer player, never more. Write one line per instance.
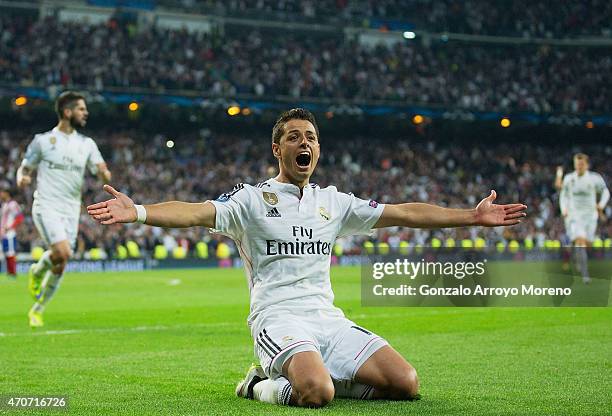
(284, 229)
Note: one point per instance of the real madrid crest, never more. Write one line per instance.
(270, 198)
(324, 213)
(52, 140)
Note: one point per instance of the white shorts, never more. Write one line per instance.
(580, 228)
(54, 227)
(343, 345)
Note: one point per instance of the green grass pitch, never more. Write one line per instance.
(175, 342)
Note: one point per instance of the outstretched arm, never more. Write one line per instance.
(173, 214)
(419, 215)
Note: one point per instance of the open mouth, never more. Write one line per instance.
(303, 159)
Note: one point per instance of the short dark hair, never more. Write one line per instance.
(67, 99)
(579, 156)
(294, 114)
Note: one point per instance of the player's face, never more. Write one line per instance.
(298, 150)
(581, 166)
(4, 196)
(78, 114)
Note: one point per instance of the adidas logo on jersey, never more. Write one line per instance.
(273, 213)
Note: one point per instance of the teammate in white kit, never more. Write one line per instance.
(10, 217)
(284, 229)
(581, 209)
(61, 157)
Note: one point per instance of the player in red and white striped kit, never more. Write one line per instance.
(11, 217)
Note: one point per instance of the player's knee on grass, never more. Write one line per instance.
(407, 385)
(314, 392)
(310, 380)
(403, 385)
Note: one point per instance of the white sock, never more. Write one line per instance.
(49, 286)
(38, 307)
(273, 391)
(582, 261)
(351, 390)
(43, 264)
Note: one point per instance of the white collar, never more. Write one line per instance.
(289, 187)
(58, 131)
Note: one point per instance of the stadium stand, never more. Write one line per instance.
(536, 78)
(517, 18)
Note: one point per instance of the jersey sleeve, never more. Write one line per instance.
(564, 195)
(33, 154)
(95, 158)
(232, 212)
(602, 189)
(358, 215)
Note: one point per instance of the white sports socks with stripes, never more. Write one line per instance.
(49, 286)
(43, 264)
(279, 391)
(351, 390)
(276, 391)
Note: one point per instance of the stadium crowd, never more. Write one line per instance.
(516, 18)
(504, 78)
(411, 169)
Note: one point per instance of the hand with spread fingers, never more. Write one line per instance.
(120, 209)
(489, 214)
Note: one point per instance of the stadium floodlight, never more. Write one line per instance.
(246, 111)
(505, 122)
(169, 144)
(21, 101)
(409, 35)
(233, 110)
(133, 106)
(418, 119)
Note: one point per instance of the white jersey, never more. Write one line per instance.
(9, 212)
(61, 160)
(579, 195)
(286, 241)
